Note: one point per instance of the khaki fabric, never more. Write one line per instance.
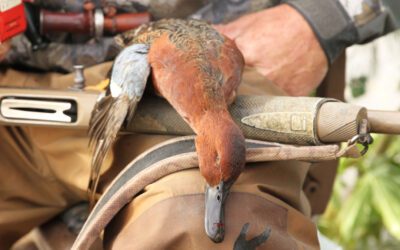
(43, 171)
(169, 213)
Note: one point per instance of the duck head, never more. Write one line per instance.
(222, 156)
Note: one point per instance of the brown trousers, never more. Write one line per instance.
(43, 171)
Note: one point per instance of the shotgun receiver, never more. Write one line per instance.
(295, 120)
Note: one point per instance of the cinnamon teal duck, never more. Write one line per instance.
(197, 70)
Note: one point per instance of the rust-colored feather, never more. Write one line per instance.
(198, 71)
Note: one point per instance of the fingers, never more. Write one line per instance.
(227, 31)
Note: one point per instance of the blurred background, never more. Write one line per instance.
(364, 210)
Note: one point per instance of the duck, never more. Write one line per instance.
(198, 71)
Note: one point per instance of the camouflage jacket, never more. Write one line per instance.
(337, 24)
(341, 23)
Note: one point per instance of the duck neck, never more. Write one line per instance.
(214, 122)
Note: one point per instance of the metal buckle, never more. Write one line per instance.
(363, 137)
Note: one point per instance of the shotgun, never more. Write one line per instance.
(294, 120)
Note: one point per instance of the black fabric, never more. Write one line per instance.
(393, 9)
(331, 24)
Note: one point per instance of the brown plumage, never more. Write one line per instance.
(198, 71)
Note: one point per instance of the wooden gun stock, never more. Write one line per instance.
(124, 22)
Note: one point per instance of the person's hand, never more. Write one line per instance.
(4, 48)
(281, 45)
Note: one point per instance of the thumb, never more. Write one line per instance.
(226, 30)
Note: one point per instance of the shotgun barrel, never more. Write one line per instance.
(384, 122)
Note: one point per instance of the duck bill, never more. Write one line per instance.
(215, 198)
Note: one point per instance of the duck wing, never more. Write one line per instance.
(129, 77)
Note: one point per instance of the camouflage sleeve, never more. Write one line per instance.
(59, 56)
(342, 23)
(222, 11)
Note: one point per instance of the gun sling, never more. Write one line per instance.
(177, 155)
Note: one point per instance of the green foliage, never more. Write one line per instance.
(366, 215)
(358, 86)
